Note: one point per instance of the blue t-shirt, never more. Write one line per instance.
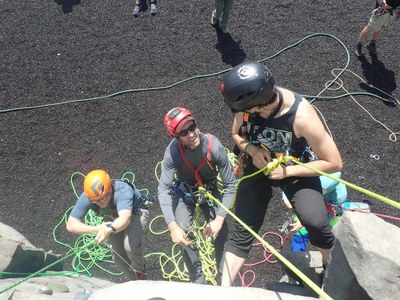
(333, 191)
(124, 197)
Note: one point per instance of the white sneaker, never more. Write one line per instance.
(153, 9)
(214, 19)
(224, 30)
(136, 10)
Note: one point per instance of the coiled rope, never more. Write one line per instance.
(172, 266)
(91, 254)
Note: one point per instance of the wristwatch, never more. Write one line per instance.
(112, 228)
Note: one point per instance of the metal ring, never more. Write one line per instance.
(374, 156)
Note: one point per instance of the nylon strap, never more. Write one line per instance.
(206, 159)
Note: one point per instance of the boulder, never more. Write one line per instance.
(52, 287)
(18, 256)
(307, 262)
(164, 290)
(365, 261)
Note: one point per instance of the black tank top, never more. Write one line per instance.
(277, 134)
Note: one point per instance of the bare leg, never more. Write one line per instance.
(232, 265)
(376, 35)
(325, 255)
(363, 35)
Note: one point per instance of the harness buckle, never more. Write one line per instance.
(284, 228)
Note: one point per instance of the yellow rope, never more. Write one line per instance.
(353, 186)
(303, 277)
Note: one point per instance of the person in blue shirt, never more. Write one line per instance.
(334, 193)
(121, 206)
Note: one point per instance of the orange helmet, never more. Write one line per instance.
(175, 117)
(97, 184)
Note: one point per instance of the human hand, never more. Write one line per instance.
(213, 228)
(279, 173)
(179, 236)
(260, 157)
(296, 226)
(103, 234)
(381, 10)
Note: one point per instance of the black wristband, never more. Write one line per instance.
(112, 228)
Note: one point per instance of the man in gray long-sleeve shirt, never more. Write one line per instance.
(194, 159)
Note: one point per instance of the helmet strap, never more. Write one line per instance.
(278, 108)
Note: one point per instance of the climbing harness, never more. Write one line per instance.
(190, 195)
(207, 159)
(285, 227)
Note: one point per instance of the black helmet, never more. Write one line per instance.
(247, 85)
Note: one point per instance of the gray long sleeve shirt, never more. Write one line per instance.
(174, 165)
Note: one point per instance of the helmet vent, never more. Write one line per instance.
(242, 97)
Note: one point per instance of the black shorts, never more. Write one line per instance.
(253, 197)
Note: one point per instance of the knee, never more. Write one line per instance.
(315, 223)
(238, 251)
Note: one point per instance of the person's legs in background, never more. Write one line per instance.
(227, 6)
(136, 8)
(217, 12)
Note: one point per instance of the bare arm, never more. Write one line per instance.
(123, 220)
(260, 157)
(102, 231)
(178, 235)
(119, 224)
(308, 125)
(239, 140)
(75, 225)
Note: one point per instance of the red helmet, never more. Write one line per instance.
(174, 117)
(97, 184)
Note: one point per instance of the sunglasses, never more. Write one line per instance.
(185, 132)
(102, 199)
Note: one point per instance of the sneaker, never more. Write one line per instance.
(136, 10)
(224, 30)
(214, 19)
(371, 49)
(153, 9)
(358, 52)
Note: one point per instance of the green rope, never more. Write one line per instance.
(90, 254)
(171, 266)
(39, 272)
(160, 88)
